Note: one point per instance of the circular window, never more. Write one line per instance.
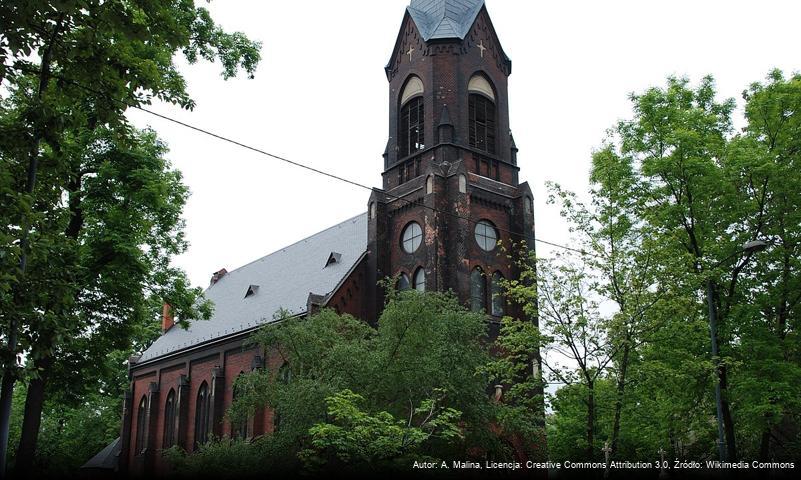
(412, 237)
(486, 235)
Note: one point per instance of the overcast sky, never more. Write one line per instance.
(320, 97)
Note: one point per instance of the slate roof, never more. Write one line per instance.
(444, 18)
(285, 279)
(106, 459)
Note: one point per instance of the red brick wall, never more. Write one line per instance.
(139, 388)
(199, 371)
(349, 297)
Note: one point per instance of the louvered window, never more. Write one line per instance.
(410, 135)
(481, 125)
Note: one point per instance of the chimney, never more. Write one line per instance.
(216, 276)
(167, 321)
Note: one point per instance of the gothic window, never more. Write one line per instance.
(169, 420)
(239, 429)
(202, 407)
(141, 426)
(420, 280)
(411, 125)
(478, 290)
(403, 282)
(481, 111)
(496, 290)
(412, 237)
(486, 235)
(284, 376)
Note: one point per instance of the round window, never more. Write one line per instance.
(486, 235)
(412, 237)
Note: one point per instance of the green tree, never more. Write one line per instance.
(73, 68)
(419, 367)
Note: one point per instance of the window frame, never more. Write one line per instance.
(478, 290)
(485, 224)
(418, 237)
(482, 123)
(202, 409)
(411, 126)
(416, 282)
(497, 300)
(169, 420)
(140, 444)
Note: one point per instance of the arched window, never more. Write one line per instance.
(239, 429)
(141, 426)
(403, 282)
(481, 111)
(478, 290)
(285, 377)
(496, 290)
(420, 280)
(169, 420)
(411, 125)
(202, 406)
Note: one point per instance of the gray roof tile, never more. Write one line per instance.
(444, 18)
(284, 278)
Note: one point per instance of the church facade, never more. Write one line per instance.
(450, 195)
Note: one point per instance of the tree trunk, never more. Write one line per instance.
(34, 403)
(728, 421)
(10, 374)
(621, 387)
(590, 420)
(764, 446)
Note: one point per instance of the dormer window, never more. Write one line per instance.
(411, 125)
(252, 289)
(333, 258)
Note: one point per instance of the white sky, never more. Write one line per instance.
(320, 97)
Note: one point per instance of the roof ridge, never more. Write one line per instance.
(289, 246)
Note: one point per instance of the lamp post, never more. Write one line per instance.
(749, 248)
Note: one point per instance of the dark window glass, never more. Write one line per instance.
(420, 280)
(169, 420)
(141, 426)
(239, 429)
(410, 134)
(481, 124)
(403, 282)
(496, 290)
(478, 290)
(202, 415)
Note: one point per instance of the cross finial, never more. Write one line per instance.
(411, 49)
(481, 47)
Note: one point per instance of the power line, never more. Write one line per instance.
(292, 162)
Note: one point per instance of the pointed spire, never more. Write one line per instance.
(444, 18)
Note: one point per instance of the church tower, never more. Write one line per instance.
(450, 190)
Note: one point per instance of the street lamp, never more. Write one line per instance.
(749, 248)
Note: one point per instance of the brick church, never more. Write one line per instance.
(450, 194)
